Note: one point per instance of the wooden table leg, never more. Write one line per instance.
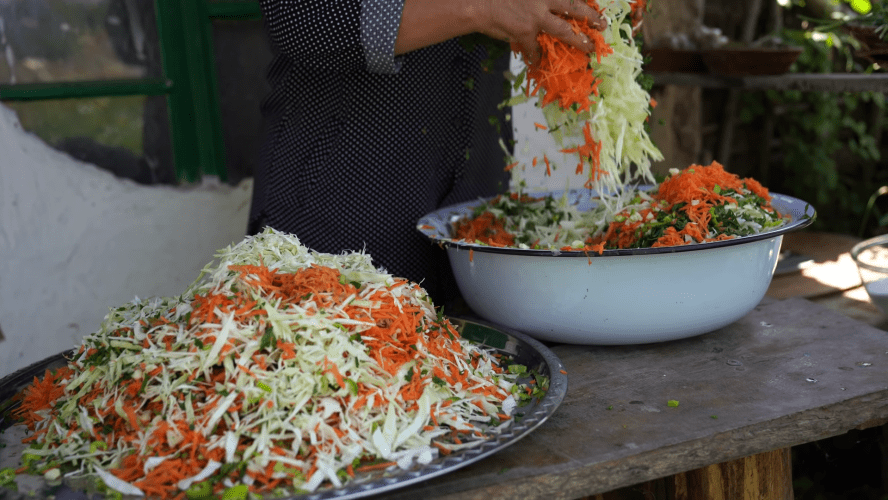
(883, 446)
(765, 476)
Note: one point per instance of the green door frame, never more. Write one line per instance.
(190, 82)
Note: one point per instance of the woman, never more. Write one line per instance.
(379, 115)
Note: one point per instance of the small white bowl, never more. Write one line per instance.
(871, 257)
(630, 296)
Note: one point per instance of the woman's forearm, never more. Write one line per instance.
(427, 22)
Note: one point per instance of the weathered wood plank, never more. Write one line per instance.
(788, 373)
(807, 82)
(764, 476)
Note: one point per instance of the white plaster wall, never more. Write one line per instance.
(76, 241)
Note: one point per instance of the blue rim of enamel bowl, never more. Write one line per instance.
(438, 227)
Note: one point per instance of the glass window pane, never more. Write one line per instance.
(128, 136)
(75, 40)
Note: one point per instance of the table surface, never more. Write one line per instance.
(790, 372)
(830, 279)
(806, 364)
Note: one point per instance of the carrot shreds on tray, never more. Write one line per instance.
(279, 369)
(694, 205)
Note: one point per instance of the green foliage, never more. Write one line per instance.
(112, 121)
(875, 14)
(826, 139)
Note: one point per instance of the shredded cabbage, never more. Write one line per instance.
(153, 385)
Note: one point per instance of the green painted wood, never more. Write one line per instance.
(170, 28)
(234, 10)
(195, 117)
(84, 89)
(204, 88)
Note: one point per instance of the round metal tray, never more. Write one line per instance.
(515, 346)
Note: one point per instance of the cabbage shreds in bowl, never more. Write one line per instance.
(279, 369)
(695, 205)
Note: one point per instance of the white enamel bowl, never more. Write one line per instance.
(621, 296)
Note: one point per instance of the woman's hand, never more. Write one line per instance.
(426, 22)
(520, 21)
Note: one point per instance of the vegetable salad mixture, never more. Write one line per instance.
(279, 370)
(695, 205)
(596, 107)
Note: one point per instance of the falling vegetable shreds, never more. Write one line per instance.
(279, 369)
(593, 103)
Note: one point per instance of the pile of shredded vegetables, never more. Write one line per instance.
(595, 107)
(279, 369)
(696, 205)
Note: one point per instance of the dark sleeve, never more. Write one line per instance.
(338, 35)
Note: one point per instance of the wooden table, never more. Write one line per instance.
(791, 372)
(831, 280)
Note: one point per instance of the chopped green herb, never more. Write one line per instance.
(517, 369)
(237, 492)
